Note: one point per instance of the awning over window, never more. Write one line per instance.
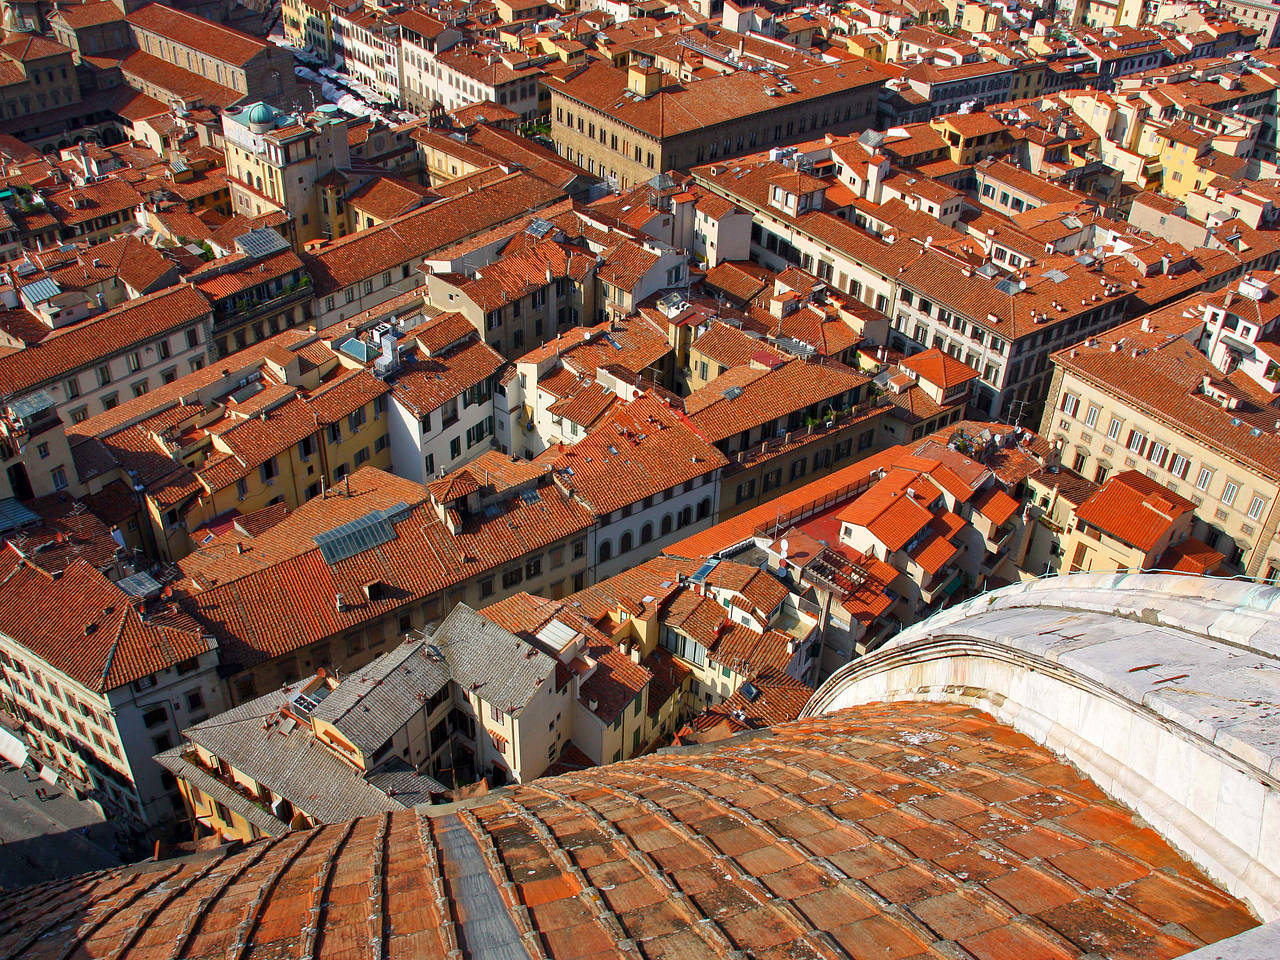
(12, 749)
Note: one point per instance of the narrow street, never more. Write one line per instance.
(44, 839)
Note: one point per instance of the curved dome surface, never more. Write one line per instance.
(261, 113)
(1164, 689)
(900, 830)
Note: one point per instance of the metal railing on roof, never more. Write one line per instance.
(773, 528)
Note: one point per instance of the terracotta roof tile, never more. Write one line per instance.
(638, 450)
(278, 595)
(86, 626)
(1133, 508)
(81, 344)
(681, 108)
(940, 368)
(747, 397)
(224, 43)
(693, 852)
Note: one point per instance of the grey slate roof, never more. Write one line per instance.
(292, 765)
(397, 779)
(372, 703)
(367, 708)
(496, 665)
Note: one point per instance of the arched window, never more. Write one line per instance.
(625, 543)
(704, 508)
(606, 551)
(686, 516)
(667, 524)
(646, 533)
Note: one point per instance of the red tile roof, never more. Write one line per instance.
(348, 260)
(994, 504)
(615, 680)
(895, 509)
(214, 39)
(940, 368)
(731, 346)
(639, 449)
(886, 830)
(682, 108)
(81, 344)
(278, 595)
(1191, 556)
(747, 397)
(429, 381)
(1134, 509)
(835, 487)
(777, 699)
(86, 626)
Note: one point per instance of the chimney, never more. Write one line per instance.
(339, 603)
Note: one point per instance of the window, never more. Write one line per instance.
(1178, 466)
(1137, 441)
(1202, 481)
(43, 450)
(1091, 416)
(1113, 429)
(104, 375)
(1158, 454)
(155, 717)
(1229, 491)
(1256, 506)
(72, 388)
(195, 700)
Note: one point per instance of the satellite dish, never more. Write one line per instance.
(786, 547)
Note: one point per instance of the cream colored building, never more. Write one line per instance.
(97, 683)
(1143, 397)
(277, 164)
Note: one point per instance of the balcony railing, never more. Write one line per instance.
(998, 539)
(767, 447)
(785, 520)
(938, 586)
(242, 310)
(192, 757)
